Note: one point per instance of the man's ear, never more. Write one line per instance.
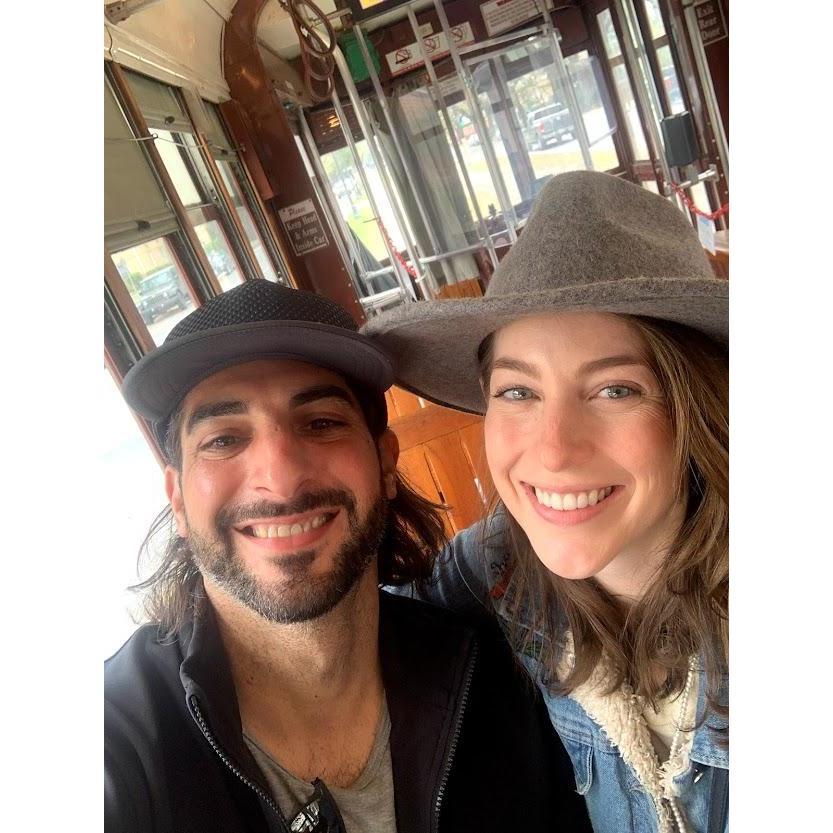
(175, 499)
(388, 445)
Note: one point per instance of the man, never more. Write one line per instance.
(278, 689)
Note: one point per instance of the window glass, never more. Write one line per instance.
(353, 201)
(624, 90)
(246, 220)
(611, 42)
(670, 80)
(219, 254)
(169, 150)
(632, 120)
(156, 284)
(124, 512)
(654, 19)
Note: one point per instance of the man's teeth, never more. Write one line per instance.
(286, 530)
(572, 500)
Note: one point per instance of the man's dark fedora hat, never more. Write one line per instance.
(593, 243)
(257, 320)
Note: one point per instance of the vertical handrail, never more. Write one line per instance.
(370, 138)
(480, 126)
(383, 103)
(404, 281)
(333, 216)
(455, 149)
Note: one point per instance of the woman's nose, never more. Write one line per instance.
(563, 438)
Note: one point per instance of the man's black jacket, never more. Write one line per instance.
(472, 748)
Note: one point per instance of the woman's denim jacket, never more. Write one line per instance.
(466, 575)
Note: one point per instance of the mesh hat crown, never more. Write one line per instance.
(256, 320)
(593, 243)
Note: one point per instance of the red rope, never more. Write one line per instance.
(709, 215)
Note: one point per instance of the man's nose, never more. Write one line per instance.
(564, 437)
(279, 463)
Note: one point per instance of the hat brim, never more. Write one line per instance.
(434, 344)
(158, 382)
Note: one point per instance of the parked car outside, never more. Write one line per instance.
(550, 125)
(160, 293)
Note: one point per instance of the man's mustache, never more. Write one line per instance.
(326, 498)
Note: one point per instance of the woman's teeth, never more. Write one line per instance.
(286, 530)
(572, 500)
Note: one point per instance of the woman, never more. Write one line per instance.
(599, 357)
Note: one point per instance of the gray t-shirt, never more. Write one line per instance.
(366, 805)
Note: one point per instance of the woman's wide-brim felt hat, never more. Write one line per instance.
(593, 243)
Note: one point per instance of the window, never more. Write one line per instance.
(624, 91)
(156, 284)
(235, 188)
(124, 514)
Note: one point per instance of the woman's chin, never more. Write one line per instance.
(572, 565)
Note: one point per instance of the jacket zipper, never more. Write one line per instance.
(455, 737)
(197, 714)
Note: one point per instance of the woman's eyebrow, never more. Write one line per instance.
(518, 365)
(610, 361)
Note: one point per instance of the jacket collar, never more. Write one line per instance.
(424, 658)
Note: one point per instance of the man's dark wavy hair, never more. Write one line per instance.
(414, 533)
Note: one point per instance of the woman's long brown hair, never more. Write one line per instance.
(685, 611)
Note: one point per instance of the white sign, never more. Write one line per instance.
(705, 231)
(303, 228)
(408, 57)
(502, 15)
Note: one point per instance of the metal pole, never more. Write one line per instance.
(383, 103)
(435, 85)
(708, 88)
(479, 124)
(641, 92)
(404, 282)
(351, 257)
(370, 137)
(567, 86)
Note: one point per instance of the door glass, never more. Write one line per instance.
(598, 119)
(156, 284)
(530, 126)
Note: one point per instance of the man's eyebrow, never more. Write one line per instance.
(610, 361)
(213, 409)
(321, 392)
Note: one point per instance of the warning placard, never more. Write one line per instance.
(435, 45)
(303, 228)
(503, 15)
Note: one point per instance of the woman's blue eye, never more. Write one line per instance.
(616, 392)
(514, 394)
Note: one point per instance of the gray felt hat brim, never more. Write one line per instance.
(435, 342)
(162, 378)
(593, 243)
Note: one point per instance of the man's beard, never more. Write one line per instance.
(296, 596)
